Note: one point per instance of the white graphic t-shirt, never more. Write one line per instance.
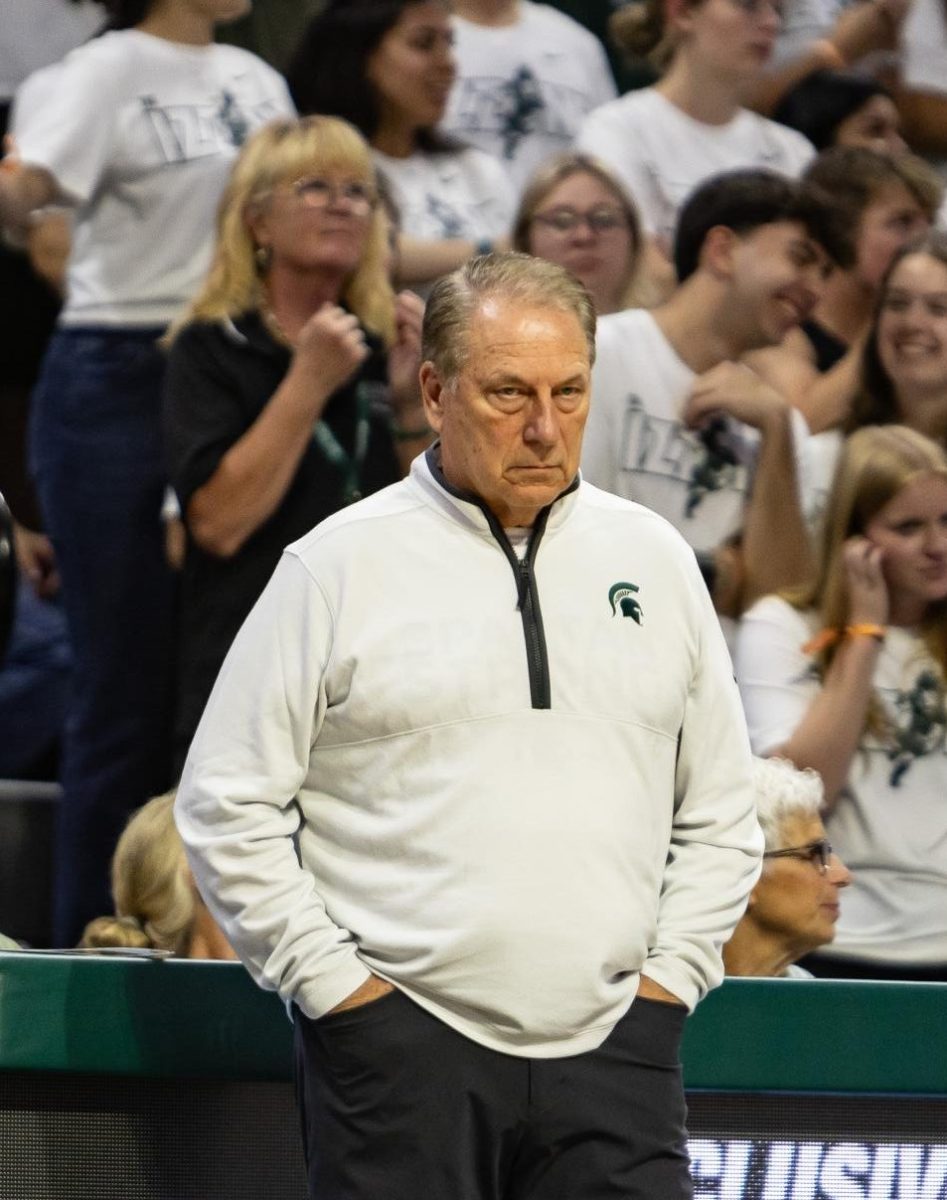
(637, 447)
(140, 133)
(662, 154)
(458, 194)
(890, 823)
(523, 90)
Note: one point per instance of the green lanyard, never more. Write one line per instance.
(349, 464)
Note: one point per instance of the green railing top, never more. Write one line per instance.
(178, 1018)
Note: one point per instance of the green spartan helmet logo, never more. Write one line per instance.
(622, 596)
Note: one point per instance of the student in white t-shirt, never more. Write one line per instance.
(136, 132)
(677, 422)
(527, 76)
(847, 676)
(388, 69)
(663, 141)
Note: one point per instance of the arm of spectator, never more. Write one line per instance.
(776, 546)
(236, 808)
(23, 190)
(409, 425)
(36, 558)
(924, 116)
(48, 243)
(423, 260)
(828, 735)
(824, 399)
(862, 28)
(255, 473)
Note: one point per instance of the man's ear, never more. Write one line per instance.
(432, 395)
(717, 252)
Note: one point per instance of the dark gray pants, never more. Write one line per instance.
(396, 1105)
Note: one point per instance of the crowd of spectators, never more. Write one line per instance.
(759, 236)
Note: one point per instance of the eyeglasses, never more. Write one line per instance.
(818, 853)
(599, 220)
(315, 192)
(755, 7)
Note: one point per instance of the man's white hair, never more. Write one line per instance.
(782, 792)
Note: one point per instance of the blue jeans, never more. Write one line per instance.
(34, 685)
(97, 457)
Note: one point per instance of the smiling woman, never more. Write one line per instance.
(388, 67)
(848, 677)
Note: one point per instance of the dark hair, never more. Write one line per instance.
(125, 14)
(823, 100)
(743, 201)
(847, 179)
(875, 402)
(326, 73)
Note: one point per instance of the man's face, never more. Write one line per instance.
(511, 421)
(778, 275)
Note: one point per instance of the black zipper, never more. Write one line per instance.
(527, 593)
(527, 601)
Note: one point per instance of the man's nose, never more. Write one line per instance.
(542, 425)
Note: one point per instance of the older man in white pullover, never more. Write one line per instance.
(472, 792)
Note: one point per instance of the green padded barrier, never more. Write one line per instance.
(179, 1018)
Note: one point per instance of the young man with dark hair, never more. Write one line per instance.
(677, 422)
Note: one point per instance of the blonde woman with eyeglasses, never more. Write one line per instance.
(292, 380)
(663, 141)
(847, 676)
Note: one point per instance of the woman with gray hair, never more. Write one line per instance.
(794, 906)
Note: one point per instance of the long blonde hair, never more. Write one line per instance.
(284, 150)
(155, 901)
(876, 463)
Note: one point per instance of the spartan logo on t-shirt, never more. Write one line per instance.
(661, 447)
(522, 98)
(449, 222)
(621, 597)
(920, 723)
(187, 131)
(517, 106)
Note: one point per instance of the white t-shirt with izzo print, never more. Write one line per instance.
(890, 823)
(450, 194)
(523, 90)
(140, 134)
(637, 446)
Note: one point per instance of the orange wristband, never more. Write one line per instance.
(828, 637)
(873, 631)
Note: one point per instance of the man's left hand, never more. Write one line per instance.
(649, 990)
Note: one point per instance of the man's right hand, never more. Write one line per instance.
(372, 989)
